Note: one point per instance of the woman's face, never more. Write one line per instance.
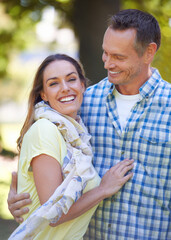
(62, 87)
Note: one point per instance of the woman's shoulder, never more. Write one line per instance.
(42, 127)
(43, 137)
(42, 122)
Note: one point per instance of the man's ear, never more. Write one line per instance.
(150, 52)
(43, 96)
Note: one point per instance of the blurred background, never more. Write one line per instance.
(30, 30)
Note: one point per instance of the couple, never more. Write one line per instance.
(55, 164)
(128, 116)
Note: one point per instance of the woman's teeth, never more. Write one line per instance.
(67, 99)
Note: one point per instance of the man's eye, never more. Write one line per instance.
(120, 58)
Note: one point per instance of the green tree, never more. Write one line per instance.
(88, 19)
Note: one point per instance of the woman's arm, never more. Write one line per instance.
(110, 184)
(47, 176)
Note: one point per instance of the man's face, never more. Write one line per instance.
(125, 68)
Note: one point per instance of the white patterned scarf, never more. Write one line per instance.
(77, 169)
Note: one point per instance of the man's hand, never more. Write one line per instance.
(17, 201)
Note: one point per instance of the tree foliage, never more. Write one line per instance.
(87, 18)
(14, 27)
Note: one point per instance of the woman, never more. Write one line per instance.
(56, 158)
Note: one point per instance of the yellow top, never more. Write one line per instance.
(44, 138)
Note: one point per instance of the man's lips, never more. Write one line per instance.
(67, 99)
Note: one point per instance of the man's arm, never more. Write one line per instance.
(16, 202)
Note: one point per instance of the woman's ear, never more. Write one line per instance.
(150, 52)
(43, 96)
(83, 87)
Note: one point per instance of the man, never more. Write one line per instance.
(128, 115)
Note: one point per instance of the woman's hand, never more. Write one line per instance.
(16, 202)
(116, 177)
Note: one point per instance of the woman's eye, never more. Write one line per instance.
(53, 83)
(72, 79)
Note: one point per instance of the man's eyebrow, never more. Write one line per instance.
(119, 55)
(53, 78)
(115, 54)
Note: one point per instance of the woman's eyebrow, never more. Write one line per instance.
(52, 78)
(71, 73)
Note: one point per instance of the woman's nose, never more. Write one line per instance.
(64, 86)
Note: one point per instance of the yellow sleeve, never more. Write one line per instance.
(42, 138)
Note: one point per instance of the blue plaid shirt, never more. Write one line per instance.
(142, 208)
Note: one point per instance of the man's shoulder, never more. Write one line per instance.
(162, 96)
(157, 87)
(159, 81)
(167, 85)
(164, 89)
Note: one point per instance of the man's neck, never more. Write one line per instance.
(133, 89)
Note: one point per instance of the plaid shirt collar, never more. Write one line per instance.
(147, 89)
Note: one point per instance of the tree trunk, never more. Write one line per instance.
(90, 19)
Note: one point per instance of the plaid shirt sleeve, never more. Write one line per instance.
(142, 208)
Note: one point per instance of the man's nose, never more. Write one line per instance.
(109, 63)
